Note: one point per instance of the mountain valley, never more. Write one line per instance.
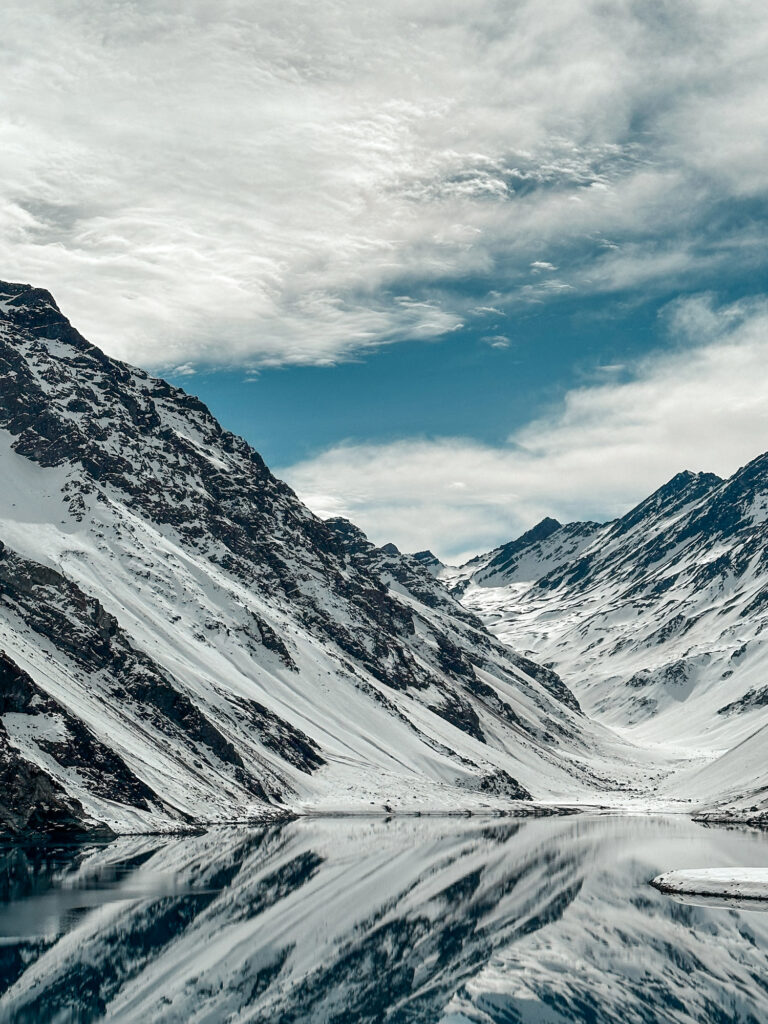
(183, 643)
(657, 620)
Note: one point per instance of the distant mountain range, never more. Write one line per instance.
(657, 620)
(183, 642)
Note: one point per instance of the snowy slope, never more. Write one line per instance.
(170, 612)
(735, 785)
(657, 620)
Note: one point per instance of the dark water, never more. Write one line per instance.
(408, 920)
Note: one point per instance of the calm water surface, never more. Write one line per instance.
(457, 921)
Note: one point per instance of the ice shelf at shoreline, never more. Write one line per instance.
(735, 883)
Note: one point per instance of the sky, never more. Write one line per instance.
(450, 267)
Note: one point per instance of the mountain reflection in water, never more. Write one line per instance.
(406, 920)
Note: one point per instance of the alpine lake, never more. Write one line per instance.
(404, 920)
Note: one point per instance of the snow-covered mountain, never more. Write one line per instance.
(528, 557)
(183, 641)
(657, 620)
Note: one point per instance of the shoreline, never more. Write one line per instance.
(102, 834)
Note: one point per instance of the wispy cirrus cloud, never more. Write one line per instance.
(258, 183)
(699, 405)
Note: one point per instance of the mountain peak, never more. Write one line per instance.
(20, 295)
(505, 557)
(26, 308)
(683, 489)
(426, 556)
(543, 529)
(681, 479)
(687, 479)
(23, 302)
(350, 537)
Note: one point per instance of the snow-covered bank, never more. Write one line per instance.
(735, 883)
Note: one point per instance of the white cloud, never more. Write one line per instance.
(255, 183)
(699, 406)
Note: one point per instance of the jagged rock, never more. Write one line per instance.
(34, 806)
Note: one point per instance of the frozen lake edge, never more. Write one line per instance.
(727, 883)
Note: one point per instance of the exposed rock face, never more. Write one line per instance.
(70, 745)
(198, 646)
(34, 806)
